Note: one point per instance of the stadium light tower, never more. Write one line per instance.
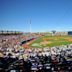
(30, 26)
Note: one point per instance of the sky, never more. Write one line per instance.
(45, 15)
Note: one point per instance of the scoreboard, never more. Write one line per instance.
(69, 32)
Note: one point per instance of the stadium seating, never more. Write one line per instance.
(14, 58)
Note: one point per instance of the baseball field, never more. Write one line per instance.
(48, 41)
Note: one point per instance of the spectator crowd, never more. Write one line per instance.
(14, 58)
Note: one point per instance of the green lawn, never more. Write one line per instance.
(55, 41)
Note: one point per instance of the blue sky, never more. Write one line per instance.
(45, 15)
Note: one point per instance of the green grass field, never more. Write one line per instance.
(48, 41)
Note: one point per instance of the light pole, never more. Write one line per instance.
(30, 28)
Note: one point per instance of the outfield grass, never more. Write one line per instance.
(54, 41)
